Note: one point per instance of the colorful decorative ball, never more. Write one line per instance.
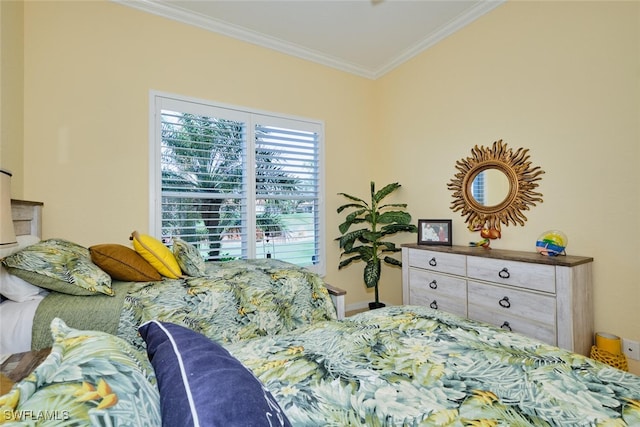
(552, 243)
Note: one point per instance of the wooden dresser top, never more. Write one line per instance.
(523, 256)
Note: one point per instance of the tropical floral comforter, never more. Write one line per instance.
(413, 366)
(398, 366)
(235, 300)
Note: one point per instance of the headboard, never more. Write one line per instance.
(27, 217)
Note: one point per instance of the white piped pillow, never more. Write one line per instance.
(13, 287)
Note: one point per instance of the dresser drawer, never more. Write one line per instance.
(532, 306)
(438, 301)
(526, 275)
(522, 312)
(541, 331)
(438, 261)
(455, 287)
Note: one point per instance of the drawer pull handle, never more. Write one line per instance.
(433, 284)
(434, 304)
(504, 273)
(506, 326)
(504, 302)
(432, 262)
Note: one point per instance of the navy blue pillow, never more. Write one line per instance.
(201, 384)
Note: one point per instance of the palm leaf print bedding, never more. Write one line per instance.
(413, 366)
(235, 300)
(89, 379)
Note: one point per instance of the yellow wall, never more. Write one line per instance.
(89, 67)
(560, 78)
(11, 92)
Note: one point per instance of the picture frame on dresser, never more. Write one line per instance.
(434, 232)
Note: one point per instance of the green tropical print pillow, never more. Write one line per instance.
(189, 259)
(59, 265)
(89, 379)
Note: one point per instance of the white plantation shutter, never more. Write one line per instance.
(290, 153)
(236, 183)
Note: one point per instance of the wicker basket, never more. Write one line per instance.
(616, 360)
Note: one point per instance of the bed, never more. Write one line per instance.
(397, 366)
(232, 301)
(169, 362)
(117, 306)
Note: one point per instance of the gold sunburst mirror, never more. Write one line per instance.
(490, 171)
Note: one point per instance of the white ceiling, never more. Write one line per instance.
(364, 37)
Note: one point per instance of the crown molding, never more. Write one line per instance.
(443, 32)
(259, 39)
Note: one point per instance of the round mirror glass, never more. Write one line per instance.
(490, 187)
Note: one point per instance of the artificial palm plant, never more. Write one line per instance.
(367, 243)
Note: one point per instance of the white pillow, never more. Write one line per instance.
(13, 287)
(16, 319)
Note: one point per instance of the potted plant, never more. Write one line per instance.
(378, 221)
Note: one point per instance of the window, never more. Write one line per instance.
(237, 183)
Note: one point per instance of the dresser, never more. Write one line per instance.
(547, 298)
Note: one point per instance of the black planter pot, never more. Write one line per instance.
(374, 305)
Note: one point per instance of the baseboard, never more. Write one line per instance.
(358, 306)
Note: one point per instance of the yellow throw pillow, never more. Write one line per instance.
(156, 254)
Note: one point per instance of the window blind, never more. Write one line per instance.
(239, 184)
